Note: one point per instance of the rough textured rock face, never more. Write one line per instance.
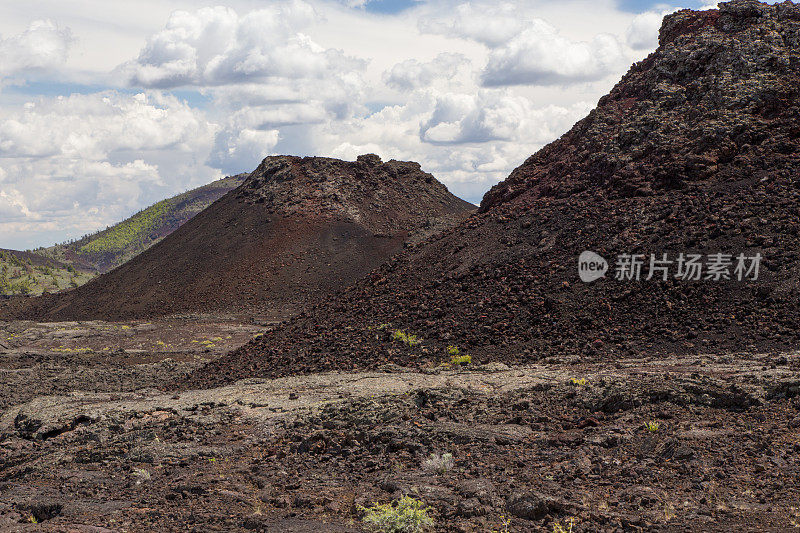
(295, 230)
(695, 150)
(715, 103)
(386, 198)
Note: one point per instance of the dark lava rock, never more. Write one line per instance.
(43, 510)
(696, 150)
(471, 507)
(532, 505)
(480, 488)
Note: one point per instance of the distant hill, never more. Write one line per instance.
(29, 273)
(73, 264)
(295, 230)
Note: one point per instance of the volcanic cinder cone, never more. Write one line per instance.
(295, 230)
(695, 150)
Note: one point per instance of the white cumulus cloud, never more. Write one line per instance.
(412, 74)
(541, 56)
(42, 46)
(493, 24)
(469, 141)
(81, 162)
(236, 151)
(216, 46)
(97, 125)
(494, 116)
(12, 206)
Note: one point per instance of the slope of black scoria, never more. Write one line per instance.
(695, 150)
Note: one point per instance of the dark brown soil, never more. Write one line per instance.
(296, 230)
(694, 151)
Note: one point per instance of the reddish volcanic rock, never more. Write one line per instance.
(695, 150)
(295, 230)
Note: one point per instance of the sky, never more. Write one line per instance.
(109, 106)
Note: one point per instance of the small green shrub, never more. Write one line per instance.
(652, 426)
(24, 286)
(461, 360)
(142, 476)
(406, 338)
(579, 382)
(406, 516)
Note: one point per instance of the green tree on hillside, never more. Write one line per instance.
(24, 286)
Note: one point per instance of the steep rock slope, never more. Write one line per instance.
(695, 150)
(296, 229)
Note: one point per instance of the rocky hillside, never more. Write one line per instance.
(109, 248)
(30, 273)
(695, 151)
(295, 230)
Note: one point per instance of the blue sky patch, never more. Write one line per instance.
(640, 6)
(52, 89)
(389, 7)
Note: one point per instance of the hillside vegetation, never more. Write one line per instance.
(72, 264)
(131, 233)
(22, 273)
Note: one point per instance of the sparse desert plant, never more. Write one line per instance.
(669, 512)
(24, 286)
(407, 515)
(459, 360)
(652, 426)
(141, 475)
(456, 358)
(440, 464)
(504, 525)
(581, 382)
(558, 528)
(406, 338)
